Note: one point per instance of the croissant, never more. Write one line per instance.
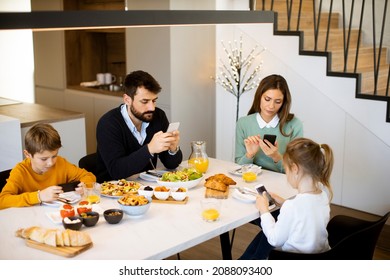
(55, 237)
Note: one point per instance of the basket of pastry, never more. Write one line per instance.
(217, 186)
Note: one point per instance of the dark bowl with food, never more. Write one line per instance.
(73, 223)
(90, 218)
(113, 216)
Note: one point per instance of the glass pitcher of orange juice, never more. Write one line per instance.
(198, 158)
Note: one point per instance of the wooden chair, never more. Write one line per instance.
(89, 162)
(3, 178)
(350, 239)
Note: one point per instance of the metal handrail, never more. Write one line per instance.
(347, 29)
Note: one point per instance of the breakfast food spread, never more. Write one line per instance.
(55, 237)
(119, 188)
(217, 186)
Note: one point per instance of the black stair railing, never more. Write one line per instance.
(348, 11)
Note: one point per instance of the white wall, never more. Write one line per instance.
(354, 128)
(17, 59)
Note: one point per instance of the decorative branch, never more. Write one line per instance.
(236, 76)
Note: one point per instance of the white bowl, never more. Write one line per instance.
(146, 193)
(162, 195)
(179, 196)
(138, 210)
(175, 185)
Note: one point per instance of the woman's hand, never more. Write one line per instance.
(252, 145)
(270, 150)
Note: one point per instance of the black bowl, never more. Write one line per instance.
(73, 226)
(113, 216)
(90, 218)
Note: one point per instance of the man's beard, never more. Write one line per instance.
(145, 117)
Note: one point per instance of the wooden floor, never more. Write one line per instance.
(211, 249)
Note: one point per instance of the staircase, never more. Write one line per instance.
(325, 32)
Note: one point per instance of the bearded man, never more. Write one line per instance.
(131, 137)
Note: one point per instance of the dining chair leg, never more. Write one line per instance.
(178, 256)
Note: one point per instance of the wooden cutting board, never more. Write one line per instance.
(64, 251)
(169, 200)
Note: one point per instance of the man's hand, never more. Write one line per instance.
(164, 141)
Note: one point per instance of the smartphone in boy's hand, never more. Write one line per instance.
(260, 189)
(69, 187)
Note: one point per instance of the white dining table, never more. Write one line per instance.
(165, 230)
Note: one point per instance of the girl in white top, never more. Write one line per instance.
(301, 224)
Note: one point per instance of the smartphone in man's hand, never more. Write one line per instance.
(173, 126)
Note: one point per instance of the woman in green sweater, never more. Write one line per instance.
(269, 114)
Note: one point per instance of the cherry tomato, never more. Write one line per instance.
(67, 211)
(84, 207)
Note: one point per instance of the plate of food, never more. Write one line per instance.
(117, 189)
(187, 178)
(66, 197)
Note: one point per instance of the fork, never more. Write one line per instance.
(246, 191)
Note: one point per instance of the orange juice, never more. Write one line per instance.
(210, 214)
(249, 176)
(93, 198)
(200, 164)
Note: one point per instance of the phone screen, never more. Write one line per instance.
(260, 189)
(173, 126)
(69, 187)
(270, 137)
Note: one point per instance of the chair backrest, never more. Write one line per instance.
(89, 162)
(350, 239)
(3, 178)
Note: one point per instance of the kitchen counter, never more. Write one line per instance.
(29, 113)
(67, 123)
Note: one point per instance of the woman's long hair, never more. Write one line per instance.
(274, 82)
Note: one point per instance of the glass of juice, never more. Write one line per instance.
(250, 172)
(92, 192)
(210, 209)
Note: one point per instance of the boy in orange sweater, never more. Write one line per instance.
(36, 178)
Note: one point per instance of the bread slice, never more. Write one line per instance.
(37, 234)
(210, 193)
(59, 238)
(50, 237)
(65, 236)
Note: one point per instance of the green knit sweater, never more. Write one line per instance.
(247, 126)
